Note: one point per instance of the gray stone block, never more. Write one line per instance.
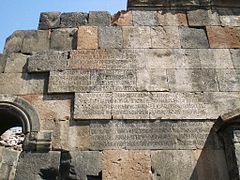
(81, 165)
(49, 20)
(48, 61)
(63, 39)
(16, 63)
(100, 18)
(35, 41)
(22, 83)
(235, 54)
(110, 37)
(159, 134)
(93, 106)
(38, 166)
(229, 79)
(202, 17)
(145, 18)
(3, 60)
(73, 19)
(193, 38)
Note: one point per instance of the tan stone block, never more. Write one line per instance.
(172, 19)
(123, 18)
(87, 37)
(122, 165)
(223, 37)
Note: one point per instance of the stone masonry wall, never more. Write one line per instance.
(130, 96)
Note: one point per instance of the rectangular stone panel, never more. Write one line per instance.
(158, 134)
(69, 81)
(166, 18)
(229, 79)
(73, 19)
(145, 18)
(87, 37)
(16, 63)
(93, 106)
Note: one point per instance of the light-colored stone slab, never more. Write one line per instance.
(87, 37)
(122, 18)
(144, 18)
(16, 63)
(235, 54)
(229, 79)
(172, 18)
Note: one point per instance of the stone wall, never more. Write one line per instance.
(132, 96)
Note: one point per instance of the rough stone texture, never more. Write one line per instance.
(110, 37)
(16, 63)
(165, 37)
(203, 18)
(122, 164)
(3, 60)
(93, 106)
(171, 18)
(122, 18)
(87, 37)
(229, 79)
(18, 83)
(136, 37)
(63, 39)
(49, 20)
(223, 37)
(153, 135)
(99, 18)
(193, 38)
(81, 165)
(38, 165)
(229, 17)
(47, 61)
(8, 163)
(235, 53)
(196, 164)
(144, 18)
(73, 19)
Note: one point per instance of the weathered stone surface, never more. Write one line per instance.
(136, 37)
(18, 83)
(35, 41)
(38, 166)
(16, 63)
(159, 134)
(230, 20)
(100, 18)
(87, 37)
(8, 163)
(49, 20)
(202, 17)
(3, 60)
(192, 79)
(193, 38)
(48, 61)
(165, 37)
(81, 165)
(223, 37)
(226, 3)
(63, 39)
(122, 18)
(171, 18)
(110, 37)
(196, 164)
(69, 81)
(229, 79)
(144, 18)
(92, 106)
(235, 54)
(122, 164)
(73, 19)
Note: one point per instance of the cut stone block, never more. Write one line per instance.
(202, 17)
(63, 39)
(69, 81)
(172, 18)
(49, 20)
(223, 37)
(144, 18)
(192, 38)
(122, 164)
(38, 165)
(123, 18)
(136, 37)
(229, 79)
(35, 41)
(165, 37)
(87, 37)
(81, 165)
(73, 19)
(48, 61)
(235, 54)
(93, 106)
(100, 18)
(3, 60)
(16, 63)
(110, 37)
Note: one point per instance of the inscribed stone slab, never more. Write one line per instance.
(92, 106)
